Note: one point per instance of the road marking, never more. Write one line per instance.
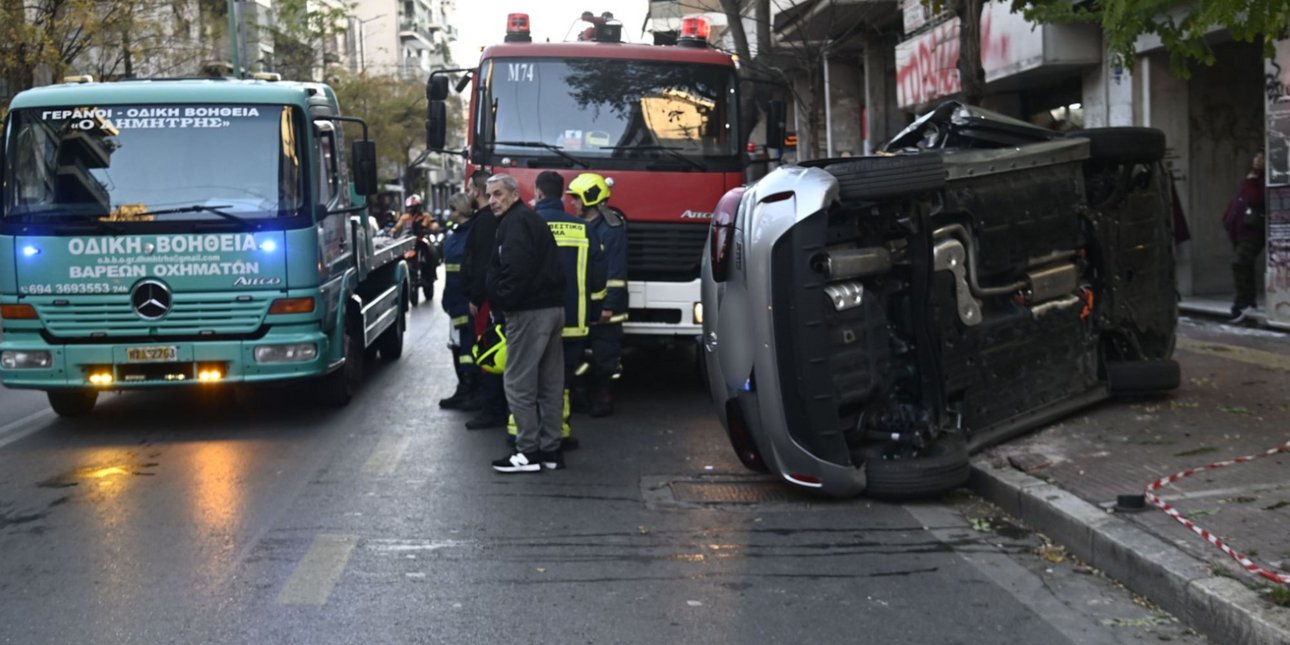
(316, 573)
(1261, 358)
(385, 457)
(15, 430)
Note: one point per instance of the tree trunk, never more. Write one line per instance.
(971, 72)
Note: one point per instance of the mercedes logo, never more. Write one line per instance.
(150, 299)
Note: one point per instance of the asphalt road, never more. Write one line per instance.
(200, 518)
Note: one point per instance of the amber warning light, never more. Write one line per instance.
(517, 28)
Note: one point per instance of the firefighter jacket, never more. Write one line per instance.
(456, 301)
(524, 269)
(479, 247)
(611, 229)
(582, 260)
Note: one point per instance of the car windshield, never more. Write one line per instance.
(153, 162)
(609, 108)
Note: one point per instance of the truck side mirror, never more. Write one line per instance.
(437, 88)
(436, 124)
(776, 124)
(364, 166)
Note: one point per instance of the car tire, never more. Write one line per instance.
(1127, 145)
(942, 468)
(72, 403)
(874, 178)
(390, 343)
(1142, 377)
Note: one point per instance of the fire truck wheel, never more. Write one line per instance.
(72, 403)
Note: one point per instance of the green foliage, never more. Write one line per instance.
(1181, 27)
(395, 111)
(304, 37)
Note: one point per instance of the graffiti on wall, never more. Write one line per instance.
(1277, 278)
(927, 65)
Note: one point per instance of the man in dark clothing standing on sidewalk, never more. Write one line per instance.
(479, 247)
(526, 283)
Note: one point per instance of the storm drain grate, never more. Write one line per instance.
(732, 492)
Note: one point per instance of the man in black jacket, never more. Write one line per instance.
(525, 282)
(479, 247)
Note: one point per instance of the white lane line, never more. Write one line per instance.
(16, 430)
(316, 573)
(386, 456)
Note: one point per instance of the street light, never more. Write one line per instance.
(362, 43)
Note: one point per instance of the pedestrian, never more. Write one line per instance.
(1246, 225)
(584, 273)
(474, 267)
(525, 283)
(456, 303)
(609, 305)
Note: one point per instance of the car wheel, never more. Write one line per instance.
(1128, 145)
(390, 343)
(873, 178)
(892, 472)
(1142, 377)
(72, 403)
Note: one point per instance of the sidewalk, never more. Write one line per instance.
(1063, 480)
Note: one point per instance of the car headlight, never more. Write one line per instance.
(293, 353)
(24, 360)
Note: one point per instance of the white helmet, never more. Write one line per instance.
(412, 200)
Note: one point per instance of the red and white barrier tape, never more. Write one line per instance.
(1214, 539)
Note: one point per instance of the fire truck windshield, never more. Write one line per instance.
(617, 113)
(140, 163)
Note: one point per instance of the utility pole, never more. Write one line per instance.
(232, 38)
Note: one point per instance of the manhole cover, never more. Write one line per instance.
(728, 492)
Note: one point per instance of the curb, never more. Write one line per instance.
(1221, 608)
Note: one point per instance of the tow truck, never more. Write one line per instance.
(190, 233)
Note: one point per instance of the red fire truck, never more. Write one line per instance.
(660, 122)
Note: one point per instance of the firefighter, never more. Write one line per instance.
(609, 306)
(456, 302)
(584, 274)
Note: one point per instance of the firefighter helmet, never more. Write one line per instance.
(590, 188)
(490, 350)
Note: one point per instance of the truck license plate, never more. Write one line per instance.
(162, 354)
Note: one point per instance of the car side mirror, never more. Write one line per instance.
(364, 167)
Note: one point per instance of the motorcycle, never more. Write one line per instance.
(423, 261)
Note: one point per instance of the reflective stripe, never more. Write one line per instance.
(582, 369)
(465, 359)
(617, 319)
(574, 332)
(600, 295)
(621, 284)
(452, 267)
(460, 320)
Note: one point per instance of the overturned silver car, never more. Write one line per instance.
(871, 321)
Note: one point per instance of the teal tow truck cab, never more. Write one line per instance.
(183, 233)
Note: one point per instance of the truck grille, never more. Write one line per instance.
(665, 252)
(191, 314)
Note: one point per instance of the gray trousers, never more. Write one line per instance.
(534, 376)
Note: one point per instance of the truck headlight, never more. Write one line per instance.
(25, 360)
(698, 313)
(294, 353)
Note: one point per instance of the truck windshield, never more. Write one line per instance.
(679, 114)
(153, 162)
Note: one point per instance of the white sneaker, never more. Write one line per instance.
(518, 462)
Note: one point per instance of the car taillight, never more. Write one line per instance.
(721, 236)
